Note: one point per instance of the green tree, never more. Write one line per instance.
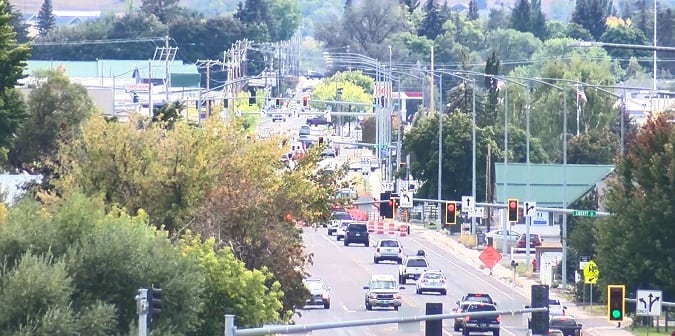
(327, 91)
(640, 199)
(434, 18)
(624, 32)
(46, 20)
(594, 147)
(56, 109)
(497, 19)
(510, 44)
(20, 26)
(591, 14)
(422, 144)
(14, 58)
(472, 13)
(163, 10)
(410, 5)
(520, 16)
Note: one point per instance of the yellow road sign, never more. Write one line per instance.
(591, 273)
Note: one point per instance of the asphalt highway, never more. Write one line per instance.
(347, 269)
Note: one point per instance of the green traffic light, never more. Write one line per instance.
(616, 313)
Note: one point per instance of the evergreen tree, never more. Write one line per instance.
(46, 21)
(164, 10)
(434, 18)
(520, 16)
(592, 14)
(20, 27)
(537, 20)
(14, 56)
(492, 67)
(473, 11)
(410, 5)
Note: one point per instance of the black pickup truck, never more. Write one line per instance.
(483, 323)
(319, 120)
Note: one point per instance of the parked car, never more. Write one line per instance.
(318, 120)
(535, 240)
(499, 234)
(382, 291)
(319, 293)
(357, 233)
(432, 281)
(388, 249)
(567, 324)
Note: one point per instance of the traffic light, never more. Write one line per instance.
(251, 101)
(540, 320)
(305, 101)
(385, 207)
(512, 210)
(320, 140)
(395, 202)
(225, 103)
(154, 305)
(450, 213)
(278, 103)
(616, 305)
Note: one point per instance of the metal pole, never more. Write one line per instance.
(440, 156)
(431, 93)
(654, 66)
(167, 53)
(564, 195)
(506, 164)
(528, 220)
(113, 97)
(623, 115)
(150, 103)
(229, 325)
(377, 110)
(142, 308)
(399, 129)
(473, 158)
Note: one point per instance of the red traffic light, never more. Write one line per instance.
(305, 101)
(513, 204)
(451, 207)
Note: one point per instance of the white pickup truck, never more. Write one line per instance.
(412, 268)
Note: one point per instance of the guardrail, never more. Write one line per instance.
(231, 330)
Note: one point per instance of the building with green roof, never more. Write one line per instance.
(546, 182)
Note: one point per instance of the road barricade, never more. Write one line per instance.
(403, 230)
(371, 226)
(380, 228)
(391, 228)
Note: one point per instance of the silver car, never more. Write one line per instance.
(432, 281)
(383, 291)
(388, 249)
(319, 293)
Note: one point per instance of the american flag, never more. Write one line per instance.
(581, 95)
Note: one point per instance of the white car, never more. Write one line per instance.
(432, 281)
(335, 220)
(388, 249)
(499, 234)
(555, 308)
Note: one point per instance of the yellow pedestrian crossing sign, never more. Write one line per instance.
(591, 273)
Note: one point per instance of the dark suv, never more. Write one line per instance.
(483, 323)
(357, 233)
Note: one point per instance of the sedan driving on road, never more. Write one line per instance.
(432, 281)
(319, 293)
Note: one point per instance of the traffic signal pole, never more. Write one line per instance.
(142, 309)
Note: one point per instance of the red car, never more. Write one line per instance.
(535, 240)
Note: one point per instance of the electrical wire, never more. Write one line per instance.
(108, 41)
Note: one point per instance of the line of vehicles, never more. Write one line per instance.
(384, 290)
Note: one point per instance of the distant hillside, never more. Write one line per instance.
(554, 9)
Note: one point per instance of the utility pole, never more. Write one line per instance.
(142, 310)
(151, 106)
(166, 70)
(208, 87)
(166, 54)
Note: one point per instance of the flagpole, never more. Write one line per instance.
(578, 107)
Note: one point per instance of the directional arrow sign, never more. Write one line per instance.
(468, 204)
(407, 199)
(648, 302)
(530, 209)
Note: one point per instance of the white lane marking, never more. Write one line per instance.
(509, 295)
(347, 309)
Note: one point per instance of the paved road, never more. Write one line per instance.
(347, 270)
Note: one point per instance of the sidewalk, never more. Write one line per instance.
(522, 283)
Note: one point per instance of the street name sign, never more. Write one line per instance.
(584, 213)
(648, 302)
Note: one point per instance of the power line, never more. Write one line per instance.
(108, 41)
